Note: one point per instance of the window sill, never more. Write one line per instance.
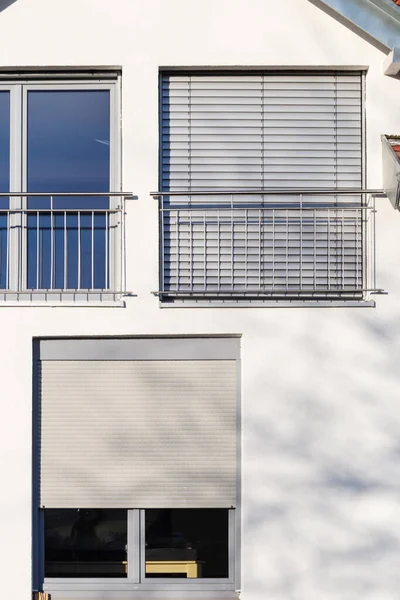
(41, 298)
(141, 591)
(137, 594)
(257, 303)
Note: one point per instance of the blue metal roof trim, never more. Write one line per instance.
(377, 19)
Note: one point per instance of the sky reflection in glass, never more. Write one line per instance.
(68, 150)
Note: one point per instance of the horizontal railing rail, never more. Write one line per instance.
(126, 195)
(304, 244)
(273, 192)
(62, 245)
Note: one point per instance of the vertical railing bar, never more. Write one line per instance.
(273, 248)
(191, 249)
(37, 249)
(232, 245)
(329, 248)
(79, 250)
(301, 242)
(373, 240)
(178, 262)
(205, 251)
(259, 249)
(357, 224)
(287, 249)
(315, 249)
(342, 249)
(8, 253)
(123, 244)
(22, 220)
(367, 250)
(106, 282)
(219, 248)
(51, 242)
(65, 250)
(92, 252)
(116, 260)
(246, 246)
(162, 242)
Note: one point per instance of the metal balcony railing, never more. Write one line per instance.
(62, 246)
(267, 244)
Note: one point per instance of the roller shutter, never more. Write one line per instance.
(138, 434)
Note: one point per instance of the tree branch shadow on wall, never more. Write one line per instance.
(323, 452)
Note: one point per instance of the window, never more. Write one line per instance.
(199, 537)
(137, 460)
(60, 232)
(99, 543)
(85, 543)
(260, 176)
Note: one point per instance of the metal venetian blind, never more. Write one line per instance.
(261, 131)
(267, 131)
(138, 434)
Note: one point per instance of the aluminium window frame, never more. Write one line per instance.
(19, 89)
(136, 577)
(179, 347)
(367, 228)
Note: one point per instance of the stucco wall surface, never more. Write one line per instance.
(320, 387)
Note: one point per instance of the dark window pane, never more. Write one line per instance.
(68, 150)
(188, 543)
(85, 543)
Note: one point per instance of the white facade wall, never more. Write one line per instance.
(320, 386)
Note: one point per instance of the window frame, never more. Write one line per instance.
(136, 577)
(367, 227)
(131, 348)
(19, 89)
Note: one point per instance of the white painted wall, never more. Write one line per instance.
(321, 421)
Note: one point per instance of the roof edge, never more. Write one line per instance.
(392, 63)
(377, 21)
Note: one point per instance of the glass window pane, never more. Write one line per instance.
(68, 150)
(68, 144)
(85, 543)
(190, 543)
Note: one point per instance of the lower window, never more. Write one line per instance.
(138, 546)
(191, 543)
(85, 543)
